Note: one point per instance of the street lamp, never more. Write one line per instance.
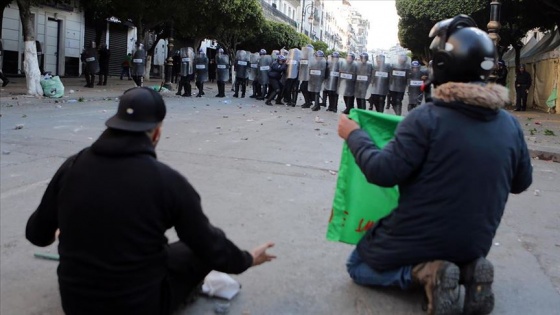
(494, 24)
(494, 27)
(305, 9)
(169, 65)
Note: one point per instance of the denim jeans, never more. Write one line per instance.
(363, 274)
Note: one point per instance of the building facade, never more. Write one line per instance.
(59, 33)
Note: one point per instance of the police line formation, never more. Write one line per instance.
(283, 74)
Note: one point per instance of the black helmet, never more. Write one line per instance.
(461, 51)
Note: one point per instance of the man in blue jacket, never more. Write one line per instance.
(455, 161)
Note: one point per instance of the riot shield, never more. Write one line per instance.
(331, 83)
(306, 54)
(254, 66)
(222, 67)
(317, 72)
(187, 57)
(201, 68)
(347, 78)
(415, 85)
(292, 62)
(380, 79)
(92, 62)
(264, 67)
(138, 62)
(241, 64)
(364, 71)
(398, 78)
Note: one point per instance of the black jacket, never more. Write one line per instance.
(523, 79)
(277, 70)
(113, 203)
(455, 162)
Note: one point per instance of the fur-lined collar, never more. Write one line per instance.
(492, 96)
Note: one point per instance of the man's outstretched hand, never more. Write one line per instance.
(260, 255)
(346, 126)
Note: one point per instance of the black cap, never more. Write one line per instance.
(140, 109)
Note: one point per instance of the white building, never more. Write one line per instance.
(59, 31)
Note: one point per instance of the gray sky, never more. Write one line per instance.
(383, 19)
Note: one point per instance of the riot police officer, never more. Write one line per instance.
(222, 69)
(347, 81)
(379, 83)
(317, 74)
(331, 82)
(139, 64)
(363, 80)
(277, 70)
(242, 67)
(186, 70)
(201, 69)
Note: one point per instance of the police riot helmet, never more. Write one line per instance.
(262, 52)
(336, 54)
(415, 63)
(221, 51)
(461, 51)
(364, 56)
(320, 53)
(352, 55)
(281, 58)
(310, 46)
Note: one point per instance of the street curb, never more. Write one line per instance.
(545, 155)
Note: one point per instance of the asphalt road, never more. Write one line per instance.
(264, 173)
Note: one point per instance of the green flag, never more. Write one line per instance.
(358, 204)
(551, 101)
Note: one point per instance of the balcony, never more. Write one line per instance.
(272, 13)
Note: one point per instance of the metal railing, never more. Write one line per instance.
(273, 13)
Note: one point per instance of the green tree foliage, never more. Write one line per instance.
(517, 17)
(320, 45)
(274, 35)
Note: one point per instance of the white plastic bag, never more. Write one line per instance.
(220, 285)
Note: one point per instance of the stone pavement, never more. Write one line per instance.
(542, 130)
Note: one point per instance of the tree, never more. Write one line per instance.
(232, 28)
(30, 61)
(517, 18)
(276, 35)
(320, 45)
(419, 16)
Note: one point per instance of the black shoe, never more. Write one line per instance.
(260, 98)
(99, 83)
(218, 95)
(279, 103)
(346, 111)
(198, 95)
(5, 83)
(316, 107)
(478, 277)
(242, 95)
(202, 93)
(268, 103)
(87, 85)
(323, 104)
(186, 95)
(306, 105)
(178, 93)
(253, 96)
(517, 110)
(235, 95)
(331, 110)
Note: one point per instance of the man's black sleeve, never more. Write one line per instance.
(43, 223)
(208, 242)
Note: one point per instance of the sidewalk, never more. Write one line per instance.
(542, 130)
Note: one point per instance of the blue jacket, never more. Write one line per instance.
(456, 161)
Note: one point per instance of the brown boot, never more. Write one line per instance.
(477, 278)
(440, 280)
